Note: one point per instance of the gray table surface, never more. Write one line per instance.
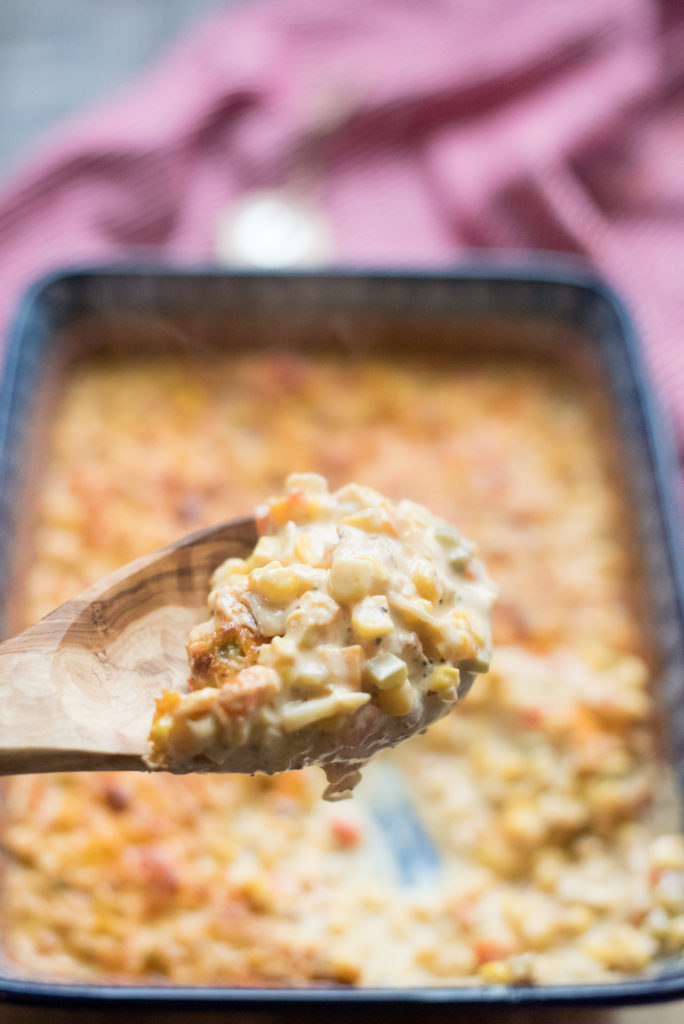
(58, 57)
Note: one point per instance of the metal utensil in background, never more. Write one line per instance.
(384, 792)
(285, 226)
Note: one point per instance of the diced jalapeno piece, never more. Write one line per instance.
(229, 650)
(447, 536)
(458, 550)
(480, 663)
(459, 559)
(385, 671)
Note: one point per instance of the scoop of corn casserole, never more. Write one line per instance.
(354, 623)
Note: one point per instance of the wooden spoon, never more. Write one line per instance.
(78, 689)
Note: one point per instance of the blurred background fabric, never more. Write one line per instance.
(418, 130)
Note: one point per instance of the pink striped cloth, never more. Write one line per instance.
(453, 124)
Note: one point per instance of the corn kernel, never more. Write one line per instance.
(456, 642)
(668, 892)
(161, 729)
(631, 671)
(385, 671)
(310, 483)
(203, 729)
(519, 970)
(351, 579)
(296, 507)
(282, 583)
(371, 618)
(522, 821)
(549, 865)
(632, 704)
(398, 701)
(282, 651)
(426, 581)
(461, 619)
(620, 947)
(667, 853)
(312, 550)
(577, 919)
(444, 680)
(675, 934)
(496, 972)
(372, 520)
(275, 582)
(417, 613)
(308, 673)
(267, 550)
(658, 923)
(447, 960)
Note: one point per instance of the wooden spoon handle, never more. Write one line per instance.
(77, 690)
(37, 732)
(44, 723)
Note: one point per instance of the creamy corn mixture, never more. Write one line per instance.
(538, 791)
(354, 623)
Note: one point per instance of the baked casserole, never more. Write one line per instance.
(537, 793)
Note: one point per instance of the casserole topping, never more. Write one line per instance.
(354, 623)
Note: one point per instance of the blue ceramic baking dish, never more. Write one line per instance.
(549, 302)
